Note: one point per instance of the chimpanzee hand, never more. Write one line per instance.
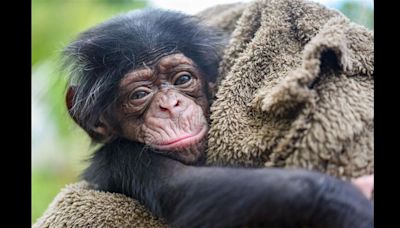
(342, 205)
(365, 184)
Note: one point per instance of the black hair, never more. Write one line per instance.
(102, 55)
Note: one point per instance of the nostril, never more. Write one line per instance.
(169, 106)
(163, 109)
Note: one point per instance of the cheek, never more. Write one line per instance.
(132, 130)
(205, 107)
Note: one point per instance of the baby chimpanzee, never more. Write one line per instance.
(140, 85)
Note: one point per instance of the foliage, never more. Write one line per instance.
(358, 12)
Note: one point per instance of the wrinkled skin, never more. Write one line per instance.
(165, 106)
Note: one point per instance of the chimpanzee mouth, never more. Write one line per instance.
(183, 142)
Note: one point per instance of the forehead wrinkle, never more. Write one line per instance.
(171, 61)
(136, 75)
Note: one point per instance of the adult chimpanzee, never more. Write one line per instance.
(140, 85)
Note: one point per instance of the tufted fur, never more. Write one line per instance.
(297, 91)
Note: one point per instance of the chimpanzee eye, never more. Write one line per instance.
(138, 95)
(183, 79)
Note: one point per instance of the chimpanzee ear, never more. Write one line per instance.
(101, 132)
(69, 98)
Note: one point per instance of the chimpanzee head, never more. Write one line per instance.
(145, 76)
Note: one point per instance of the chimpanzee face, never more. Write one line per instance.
(165, 106)
(145, 77)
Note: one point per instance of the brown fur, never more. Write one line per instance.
(305, 76)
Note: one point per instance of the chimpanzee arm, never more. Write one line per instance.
(188, 196)
(226, 197)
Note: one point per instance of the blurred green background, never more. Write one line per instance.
(59, 148)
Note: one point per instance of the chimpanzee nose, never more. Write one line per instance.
(169, 104)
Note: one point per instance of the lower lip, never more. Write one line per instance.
(183, 142)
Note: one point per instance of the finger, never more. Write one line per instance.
(365, 184)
